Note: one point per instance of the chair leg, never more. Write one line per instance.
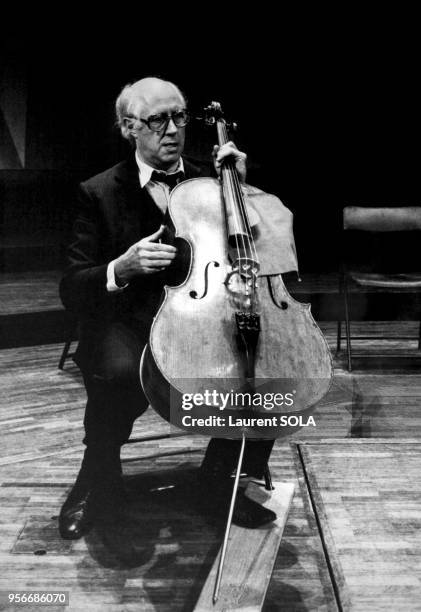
(268, 479)
(339, 328)
(347, 326)
(70, 335)
(64, 354)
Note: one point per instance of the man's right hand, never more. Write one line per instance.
(147, 256)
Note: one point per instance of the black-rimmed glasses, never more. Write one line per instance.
(157, 123)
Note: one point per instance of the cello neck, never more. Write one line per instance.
(233, 193)
(242, 249)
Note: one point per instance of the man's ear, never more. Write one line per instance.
(128, 126)
(128, 122)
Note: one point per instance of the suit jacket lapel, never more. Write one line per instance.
(137, 215)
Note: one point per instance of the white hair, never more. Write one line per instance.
(122, 107)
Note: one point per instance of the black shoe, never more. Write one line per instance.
(86, 505)
(215, 498)
(97, 494)
(248, 513)
(76, 518)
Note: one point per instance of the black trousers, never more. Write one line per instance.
(116, 399)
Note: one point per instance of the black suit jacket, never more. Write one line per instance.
(114, 213)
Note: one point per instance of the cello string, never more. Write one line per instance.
(245, 226)
(239, 230)
(228, 184)
(228, 189)
(245, 218)
(244, 215)
(243, 209)
(239, 213)
(231, 189)
(251, 244)
(250, 250)
(236, 195)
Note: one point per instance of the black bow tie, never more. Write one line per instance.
(170, 179)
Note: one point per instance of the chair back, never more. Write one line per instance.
(405, 218)
(385, 239)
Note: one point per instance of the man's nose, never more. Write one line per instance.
(171, 127)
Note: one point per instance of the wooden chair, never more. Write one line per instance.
(381, 254)
(70, 335)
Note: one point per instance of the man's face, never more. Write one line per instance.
(161, 150)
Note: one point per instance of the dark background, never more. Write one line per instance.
(327, 120)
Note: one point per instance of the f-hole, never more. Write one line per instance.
(193, 294)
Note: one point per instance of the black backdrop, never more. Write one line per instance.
(324, 126)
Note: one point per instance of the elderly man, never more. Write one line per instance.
(118, 263)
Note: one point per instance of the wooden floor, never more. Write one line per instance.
(26, 292)
(367, 496)
(352, 539)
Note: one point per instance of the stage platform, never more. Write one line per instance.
(351, 541)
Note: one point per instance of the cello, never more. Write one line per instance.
(230, 330)
(230, 325)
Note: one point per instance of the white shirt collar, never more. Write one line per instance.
(145, 170)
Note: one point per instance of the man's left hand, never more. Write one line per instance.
(230, 150)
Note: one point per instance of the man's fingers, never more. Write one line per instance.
(220, 154)
(157, 264)
(230, 149)
(146, 270)
(156, 246)
(154, 255)
(226, 150)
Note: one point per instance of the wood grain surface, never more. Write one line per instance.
(159, 556)
(367, 498)
(248, 568)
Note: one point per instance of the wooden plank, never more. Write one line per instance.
(367, 497)
(250, 556)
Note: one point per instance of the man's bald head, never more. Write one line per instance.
(161, 100)
(135, 99)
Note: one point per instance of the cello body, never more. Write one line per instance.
(194, 340)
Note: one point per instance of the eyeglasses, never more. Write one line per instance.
(157, 123)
